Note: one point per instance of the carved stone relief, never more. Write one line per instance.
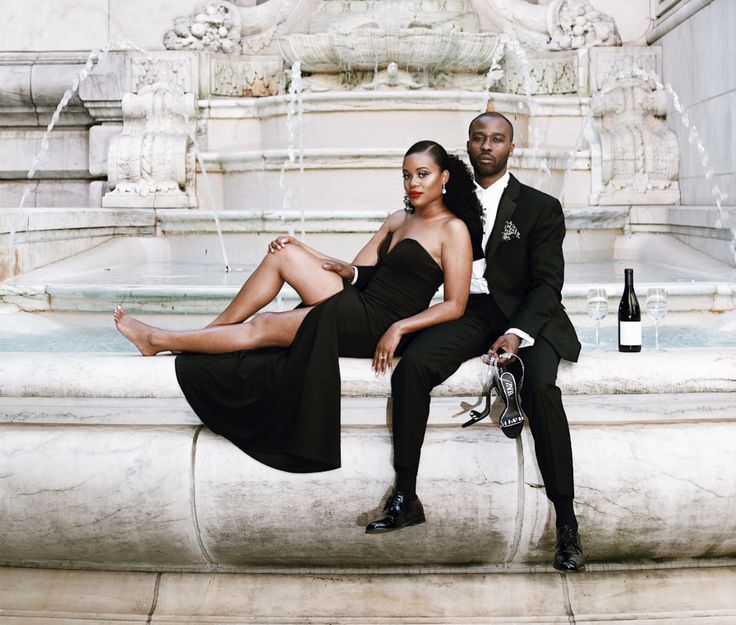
(437, 43)
(552, 25)
(553, 73)
(178, 73)
(259, 77)
(608, 65)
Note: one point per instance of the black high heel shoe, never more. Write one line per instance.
(512, 419)
(503, 381)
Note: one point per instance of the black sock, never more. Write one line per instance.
(564, 512)
(406, 482)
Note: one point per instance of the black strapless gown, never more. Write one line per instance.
(282, 405)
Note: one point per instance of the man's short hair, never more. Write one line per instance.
(494, 115)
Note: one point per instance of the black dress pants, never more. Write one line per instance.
(434, 354)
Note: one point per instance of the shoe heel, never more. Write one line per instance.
(476, 416)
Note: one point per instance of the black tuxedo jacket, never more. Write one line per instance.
(525, 266)
(526, 269)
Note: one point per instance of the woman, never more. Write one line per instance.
(271, 385)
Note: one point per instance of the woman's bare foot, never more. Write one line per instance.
(135, 331)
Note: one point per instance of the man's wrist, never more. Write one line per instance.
(526, 339)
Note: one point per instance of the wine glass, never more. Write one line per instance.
(597, 309)
(656, 309)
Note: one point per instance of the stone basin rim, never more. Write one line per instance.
(69, 374)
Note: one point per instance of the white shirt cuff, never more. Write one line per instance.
(355, 276)
(526, 340)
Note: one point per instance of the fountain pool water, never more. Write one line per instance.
(175, 283)
(78, 332)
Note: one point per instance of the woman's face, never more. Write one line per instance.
(423, 179)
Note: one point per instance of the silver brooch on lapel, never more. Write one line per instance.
(510, 231)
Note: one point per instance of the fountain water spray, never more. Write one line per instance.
(719, 196)
(208, 187)
(94, 58)
(495, 73)
(295, 146)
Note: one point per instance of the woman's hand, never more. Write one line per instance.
(279, 243)
(340, 268)
(383, 359)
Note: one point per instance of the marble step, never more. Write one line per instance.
(582, 410)
(146, 487)
(118, 491)
(664, 596)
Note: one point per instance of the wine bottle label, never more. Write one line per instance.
(629, 332)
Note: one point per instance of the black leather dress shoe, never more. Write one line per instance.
(569, 556)
(399, 512)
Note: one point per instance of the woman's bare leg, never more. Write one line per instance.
(265, 330)
(293, 265)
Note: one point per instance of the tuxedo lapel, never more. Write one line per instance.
(506, 208)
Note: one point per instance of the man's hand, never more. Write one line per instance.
(505, 346)
(341, 269)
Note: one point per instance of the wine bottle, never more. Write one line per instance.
(629, 317)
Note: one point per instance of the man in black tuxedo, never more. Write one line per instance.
(515, 303)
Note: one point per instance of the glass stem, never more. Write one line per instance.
(597, 336)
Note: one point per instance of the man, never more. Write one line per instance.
(515, 303)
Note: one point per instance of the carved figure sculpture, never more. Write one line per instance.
(555, 25)
(214, 26)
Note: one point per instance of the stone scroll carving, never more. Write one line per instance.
(152, 163)
(634, 155)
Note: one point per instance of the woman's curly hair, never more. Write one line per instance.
(460, 197)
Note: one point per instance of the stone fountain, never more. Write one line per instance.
(150, 510)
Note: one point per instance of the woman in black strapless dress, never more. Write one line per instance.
(271, 385)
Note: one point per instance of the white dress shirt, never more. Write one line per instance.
(490, 199)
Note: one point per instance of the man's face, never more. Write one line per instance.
(489, 147)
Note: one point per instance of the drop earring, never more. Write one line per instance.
(443, 189)
(408, 206)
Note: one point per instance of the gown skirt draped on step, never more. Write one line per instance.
(282, 405)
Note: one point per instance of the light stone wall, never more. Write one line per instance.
(52, 25)
(698, 61)
(632, 18)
